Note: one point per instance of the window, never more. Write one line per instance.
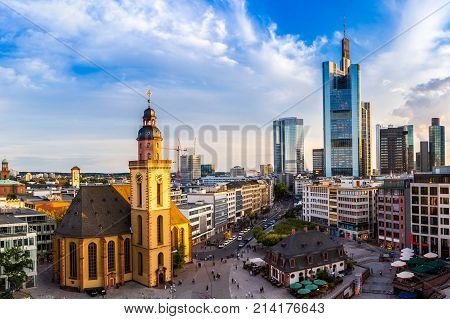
(140, 229)
(292, 262)
(182, 236)
(139, 190)
(73, 261)
(92, 261)
(160, 229)
(158, 194)
(127, 257)
(111, 256)
(160, 259)
(140, 264)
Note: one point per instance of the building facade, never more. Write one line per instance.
(190, 168)
(430, 212)
(75, 176)
(265, 169)
(393, 213)
(423, 158)
(237, 171)
(288, 143)
(393, 150)
(346, 119)
(8, 186)
(207, 169)
(200, 215)
(318, 162)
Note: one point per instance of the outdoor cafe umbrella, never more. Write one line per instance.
(320, 282)
(407, 250)
(407, 254)
(430, 255)
(398, 264)
(311, 287)
(405, 275)
(303, 291)
(295, 285)
(405, 258)
(305, 282)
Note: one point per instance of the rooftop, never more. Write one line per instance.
(192, 205)
(9, 182)
(10, 219)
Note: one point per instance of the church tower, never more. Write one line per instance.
(150, 206)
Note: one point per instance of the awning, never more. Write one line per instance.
(410, 254)
(407, 250)
(311, 287)
(405, 275)
(320, 282)
(306, 282)
(405, 258)
(303, 291)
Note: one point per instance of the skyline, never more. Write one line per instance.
(247, 63)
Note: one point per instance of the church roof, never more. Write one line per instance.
(97, 211)
(177, 217)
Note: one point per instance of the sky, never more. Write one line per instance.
(74, 74)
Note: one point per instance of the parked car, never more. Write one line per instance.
(241, 244)
(239, 237)
(221, 245)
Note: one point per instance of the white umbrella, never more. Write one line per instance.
(430, 255)
(407, 254)
(405, 275)
(405, 258)
(407, 250)
(398, 264)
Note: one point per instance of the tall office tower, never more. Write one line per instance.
(392, 150)
(437, 143)
(424, 157)
(318, 162)
(207, 169)
(190, 168)
(345, 118)
(411, 165)
(265, 169)
(366, 141)
(288, 144)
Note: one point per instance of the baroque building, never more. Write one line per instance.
(117, 233)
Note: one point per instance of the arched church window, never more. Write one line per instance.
(127, 252)
(92, 261)
(111, 256)
(73, 273)
(139, 190)
(160, 234)
(140, 229)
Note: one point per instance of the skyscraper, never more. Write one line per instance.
(288, 144)
(411, 166)
(437, 143)
(392, 149)
(423, 158)
(346, 119)
(190, 168)
(318, 162)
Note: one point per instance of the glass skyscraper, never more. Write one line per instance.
(346, 119)
(288, 144)
(437, 143)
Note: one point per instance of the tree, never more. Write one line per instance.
(281, 191)
(178, 258)
(14, 261)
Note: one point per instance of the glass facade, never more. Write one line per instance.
(437, 143)
(288, 140)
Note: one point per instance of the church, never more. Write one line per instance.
(117, 233)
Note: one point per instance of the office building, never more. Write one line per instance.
(436, 143)
(318, 162)
(237, 171)
(392, 150)
(430, 212)
(207, 169)
(288, 143)
(346, 119)
(423, 158)
(393, 213)
(15, 232)
(265, 169)
(411, 155)
(200, 215)
(190, 168)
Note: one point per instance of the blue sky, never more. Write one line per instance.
(212, 65)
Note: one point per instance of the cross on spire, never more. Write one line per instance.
(149, 94)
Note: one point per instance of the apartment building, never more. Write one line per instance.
(430, 212)
(219, 201)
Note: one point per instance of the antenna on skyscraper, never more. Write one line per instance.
(344, 26)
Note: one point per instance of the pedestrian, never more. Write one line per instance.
(251, 295)
(237, 285)
(193, 280)
(235, 266)
(207, 287)
(381, 273)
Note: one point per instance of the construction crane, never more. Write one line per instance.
(178, 149)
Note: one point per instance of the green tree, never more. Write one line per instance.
(14, 261)
(178, 258)
(281, 191)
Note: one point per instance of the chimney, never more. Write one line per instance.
(293, 231)
(305, 229)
